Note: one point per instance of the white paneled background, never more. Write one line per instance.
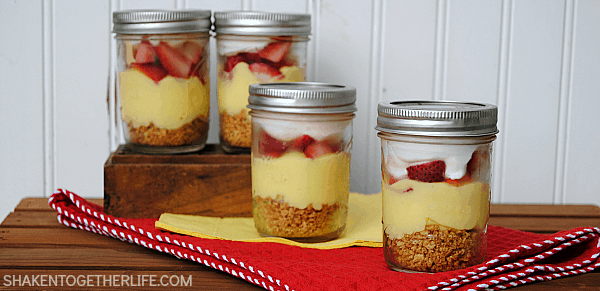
(538, 60)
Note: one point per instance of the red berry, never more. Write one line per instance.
(318, 148)
(427, 172)
(264, 69)
(275, 51)
(173, 60)
(145, 53)
(192, 50)
(300, 143)
(271, 147)
(153, 71)
(231, 62)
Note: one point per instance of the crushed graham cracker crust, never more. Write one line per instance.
(236, 130)
(435, 249)
(189, 133)
(274, 217)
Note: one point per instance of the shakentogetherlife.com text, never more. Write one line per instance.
(96, 281)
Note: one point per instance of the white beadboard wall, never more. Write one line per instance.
(538, 60)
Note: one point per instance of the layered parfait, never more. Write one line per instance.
(435, 205)
(245, 62)
(164, 93)
(300, 178)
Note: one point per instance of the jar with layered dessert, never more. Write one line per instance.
(301, 152)
(162, 79)
(436, 173)
(254, 47)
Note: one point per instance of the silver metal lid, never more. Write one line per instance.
(437, 118)
(261, 23)
(161, 21)
(302, 97)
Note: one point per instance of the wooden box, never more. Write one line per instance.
(209, 183)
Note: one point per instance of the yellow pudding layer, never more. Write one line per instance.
(233, 93)
(301, 180)
(169, 104)
(405, 212)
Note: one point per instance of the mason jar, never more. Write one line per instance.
(162, 76)
(436, 173)
(254, 47)
(301, 148)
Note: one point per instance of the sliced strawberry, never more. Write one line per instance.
(275, 51)
(392, 180)
(250, 58)
(300, 143)
(192, 50)
(318, 148)
(231, 62)
(153, 71)
(427, 172)
(265, 70)
(145, 53)
(271, 147)
(173, 60)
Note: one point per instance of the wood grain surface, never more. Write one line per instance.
(208, 183)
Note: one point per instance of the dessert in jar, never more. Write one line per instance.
(301, 147)
(163, 79)
(436, 161)
(254, 47)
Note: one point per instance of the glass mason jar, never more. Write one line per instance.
(436, 172)
(163, 85)
(254, 47)
(301, 146)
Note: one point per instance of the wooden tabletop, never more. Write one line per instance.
(32, 243)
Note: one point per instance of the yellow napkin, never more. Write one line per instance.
(363, 227)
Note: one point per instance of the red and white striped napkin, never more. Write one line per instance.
(514, 257)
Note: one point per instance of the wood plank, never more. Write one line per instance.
(204, 279)
(41, 204)
(208, 183)
(34, 219)
(57, 237)
(93, 258)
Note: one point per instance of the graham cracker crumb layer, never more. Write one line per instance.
(187, 134)
(276, 218)
(236, 130)
(435, 249)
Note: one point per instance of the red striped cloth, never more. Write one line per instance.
(514, 257)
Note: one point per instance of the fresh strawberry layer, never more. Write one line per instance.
(145, 53)
(427, 172)
(269, 146)
(267, 61)
(275, 51)
(264, 71)
(154, 72)
(434, 171)
(181, 61)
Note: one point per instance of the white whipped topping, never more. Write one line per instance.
(286, 130)
(230, 48)
(401, 155)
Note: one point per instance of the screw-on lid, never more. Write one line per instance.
(161, 21)
(261, 23)
(302, 97)
(437, 118)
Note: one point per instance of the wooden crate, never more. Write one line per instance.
(209, 183)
